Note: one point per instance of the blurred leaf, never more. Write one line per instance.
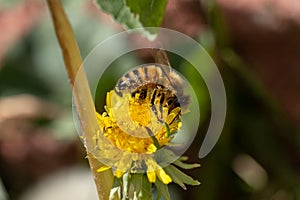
(3, 194)
(136, 14)
(18, 75)
(9, 3)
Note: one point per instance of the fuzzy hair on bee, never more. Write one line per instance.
(160, 81)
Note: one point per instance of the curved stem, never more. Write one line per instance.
(82, 96)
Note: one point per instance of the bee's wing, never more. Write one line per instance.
(173, 79)
(161, 57)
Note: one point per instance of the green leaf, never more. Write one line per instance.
(179, 177)
(149, 12)
(120, 12)
(162, 190)
(136, 13)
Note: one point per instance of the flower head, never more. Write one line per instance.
(132, 127)
(135, 129)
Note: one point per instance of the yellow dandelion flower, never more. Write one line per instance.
(119, 173)
(141, 116)
(127, 124)
(155, 170)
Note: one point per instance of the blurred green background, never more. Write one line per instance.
(256, 46)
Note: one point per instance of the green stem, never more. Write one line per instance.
(81, 91)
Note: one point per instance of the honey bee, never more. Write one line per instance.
(156, 84)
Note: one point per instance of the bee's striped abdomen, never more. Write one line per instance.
(137, 77)
(156, 83)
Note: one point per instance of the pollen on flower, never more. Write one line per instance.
(165, 178)
(124, 125)
(137, 115)
(154, 169)
(139, 112)
(151, 148)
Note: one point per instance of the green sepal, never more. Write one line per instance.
(183, 158)
(162, 190)
(135, 186)
(117, 182)
(167, 129)
(165, 157)
(179, 177)
(146, 192)
(183, 165)
(155, 141)
(117, 185)
(137, 181)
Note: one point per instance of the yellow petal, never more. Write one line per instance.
(103, 168)
(108, 99)
(99, 117)
(151, 176)
(165, 178)
(119, 173)
(151, 170)
(151, 148)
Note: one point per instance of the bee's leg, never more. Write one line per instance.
(153, 107)
(176, 117)
(161, 112)
(161, 97)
